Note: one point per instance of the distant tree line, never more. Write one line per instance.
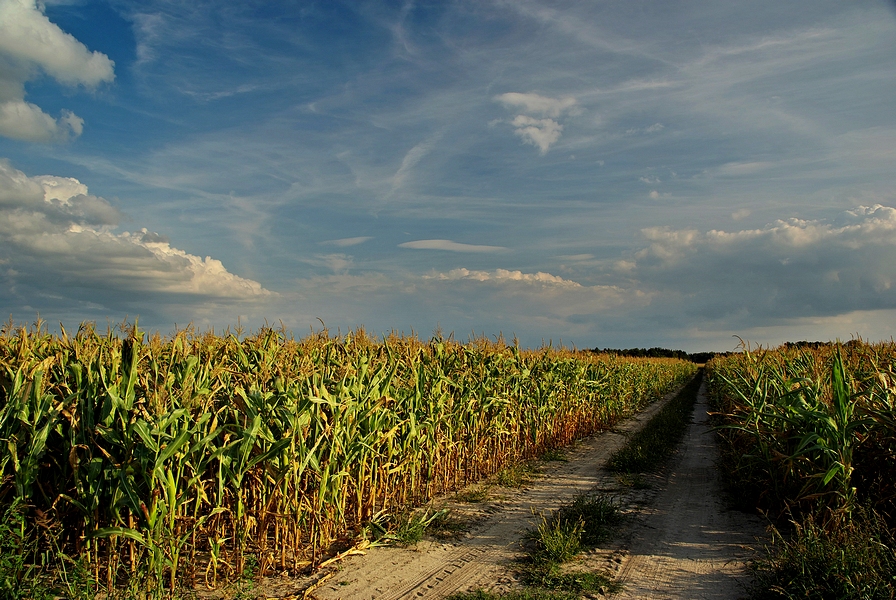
(703, 357)
(697, 357)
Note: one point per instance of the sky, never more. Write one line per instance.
(685, 174)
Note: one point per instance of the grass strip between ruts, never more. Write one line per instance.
(652, 445)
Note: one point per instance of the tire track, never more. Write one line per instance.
(688, 545)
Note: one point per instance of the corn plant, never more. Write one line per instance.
(797, 419)
(201, 457)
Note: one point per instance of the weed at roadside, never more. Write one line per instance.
(405, 529)
(446, 526)
(583, 524)
(555, 455)
(563, 535)
(17, 576)
(635, 481)
(473, 494)
(517, 475)
(856, 559)
(557, 539)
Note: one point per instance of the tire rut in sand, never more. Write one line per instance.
(687, 545)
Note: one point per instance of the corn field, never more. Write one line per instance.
(810, 430)
(179, 459)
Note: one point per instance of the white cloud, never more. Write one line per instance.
(22, 120)
(789, 268)
(338, 263)
(540, 132)
(148, 29)
(449, 246)
(535, 103)
(736, 169)
(54, 235)
(505, 275)
(576, 257)
(346, 242)
(411, 159)
(655, 128)
(30, 42)
(654, 195)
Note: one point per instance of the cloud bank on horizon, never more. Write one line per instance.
(601, 174)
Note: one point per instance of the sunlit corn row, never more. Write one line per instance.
(811, 429)
(182, 457)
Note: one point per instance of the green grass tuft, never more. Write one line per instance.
(557, 539)
(528, 594)
(551, 577)
(517, 475)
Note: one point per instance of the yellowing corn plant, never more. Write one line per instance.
(150, 461)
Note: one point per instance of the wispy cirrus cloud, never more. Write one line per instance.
(278, 141)
(655, 128)
(410, 160)
(346, 242)
(339, 263)
(537, 104)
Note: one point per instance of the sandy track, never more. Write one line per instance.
(687, 545)
(680, 543)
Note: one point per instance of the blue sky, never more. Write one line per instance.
(608, 174)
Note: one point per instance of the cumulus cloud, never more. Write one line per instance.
(541, 130)
(790, 268)
(449, 246)
(542, 133)
(505, 275)
(545, 302)
(56, 238)
(30, 43)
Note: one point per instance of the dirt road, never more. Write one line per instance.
(679, 543)
(687, 545)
